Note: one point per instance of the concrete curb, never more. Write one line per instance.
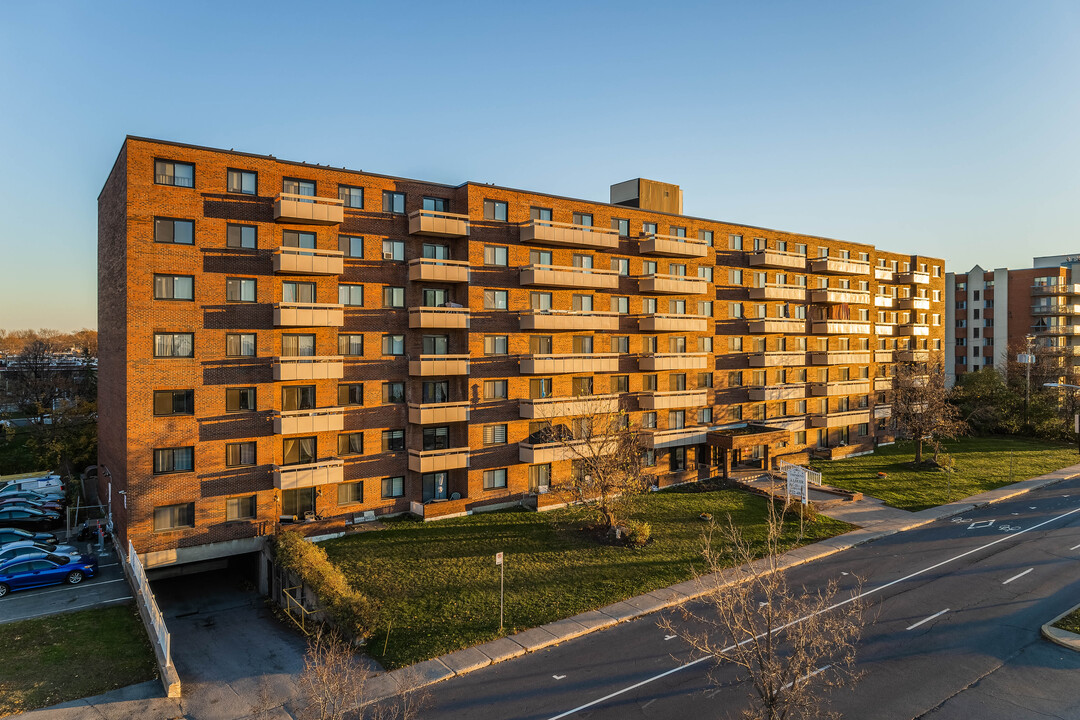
(512, 646)
(1062, 637)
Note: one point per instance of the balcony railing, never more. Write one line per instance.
(831, 297)
(779, 292)
(777, 259)
(882, 411)
(569, 320)
(673, 399)
(567, 406)
(778, 325)
(309, 315)
(883, 274)
(309, 367)
(673, 361)
(435, 365)
(840, 357)
(437, 413)
(549, 232)
(883, 383)
(451, 271)
(1057, 330)
(548, 364)
(302, 261)
(885, 301)
(912, 355)
(295, 477)
(439, 317)
(778, 358)
(1063, 289)
(883, 356)
(794, 391)
(914, 277)
(554, 452)
(672, 246)
(840, 327)
(913, 330)
(295, 422)
(884, 328)
(569, 277)
(840, 419)
(660, 284)
(308, 210)
(426, 461)
(659, 439)
(840, 387)
(1062, 349)
(438, 224)
(839, 266)
(914, 303)
(673, 323)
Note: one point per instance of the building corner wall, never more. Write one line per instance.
(950, 329)
(1001, 320)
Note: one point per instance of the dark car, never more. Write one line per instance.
(25, 573)
(10, 534)
(29, 519)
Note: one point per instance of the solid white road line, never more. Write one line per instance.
(926, 620)
(1017, 577)
(77, 607)
(808, 676)
(1074, 547)
(692, 663)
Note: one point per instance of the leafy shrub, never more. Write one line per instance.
(637, 533)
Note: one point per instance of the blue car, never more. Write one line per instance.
(15, 534)
(25, 573)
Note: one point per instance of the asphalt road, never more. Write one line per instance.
(956, 608)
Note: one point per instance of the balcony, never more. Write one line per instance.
(777, 259)
(779, 292)
(883, 274)
(438, 413)
(564, 276)
(840, 419)
(294, 477)
(1058, 330)
(297, 261)
(673, 399)
(912, 355)
(659, 284)
(309, 315)
(882, 411)
(1062, 289)
(882, 384)
(914, 277)
(839, 266)
(310, 367)
(831, 297)
(673, 323)
(883, 356)
(840, 387)
(427, 461)
(308, 210)
(566, 364)
(779, 358)
(673, 361)
(659, 439)
(884, 301)
(556, 451)
(567, 406)
(840, 357)
(884, 329)
(672, 246)
(778, 325)
(439, 317)
(913, 303)
(1062, 349)
(913, 330)
(569, 320)
(840, 327)
(295, 422)
(438, 224)
(548, 232)
(449, 271)
(435, 365)
(795, 391)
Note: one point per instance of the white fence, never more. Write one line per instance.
(812, 476)
(146, 596)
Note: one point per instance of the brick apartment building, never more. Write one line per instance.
(283, 341)
(992, 315)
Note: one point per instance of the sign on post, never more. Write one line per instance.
(498, 558)
(796, 483)
(502, 572)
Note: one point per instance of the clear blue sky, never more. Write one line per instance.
(944, 128)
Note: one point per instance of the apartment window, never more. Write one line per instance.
(350, 394)
(298, 187)
(435, 438)
(676, 269)
(623, 226)
(393, 297)
(620, 344)
(298, 503)
(350, 443)
(496, 344)
(298, 239)
(351, 295)
(298, 397)
(174, 517)
(706, 273)
(735, 242)
(539, 213)
(393, 487)
(170, 460)
(393, 250)
(735, 310)
(298, 345)
(297, 292)
(352, 197)
(706, 236)
(350, 493)
(170, 172)
(393, 440)
(648, 267)
(735, 344)
(435, 344)
(177, 345)
(170, 230)
(494, 479)
(495, 434)
(540, 478)
(239, 454)
(648, 420)
(621, 265)
(495, 210)
(735, 379)
(393, 392)
(648, 228)
(495, 389)
(243, 181)
(240, 399)
(936, 319)
(705, 380)
(495, 255)
(299, 451)
(240, 289)
(540, 344)
(350, 345)
(241, 236)
(393, 345)
(705, 308)
(582, 344)
(174, 287)
(735, 277)
(677, 459)
(351, 245)
(495, 300)
(174, 402)
(937, 271)
(620, 305)
(705, 343)
(582, 386)
(393, 202)
(620, 383)
(584, 219)
(704, 416)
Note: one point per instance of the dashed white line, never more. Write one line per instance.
(808, 676)
(1017, 577)
(926, 620)
(1074, 547)
(559, 677)
(670, 637)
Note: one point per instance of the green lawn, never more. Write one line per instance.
(1070, 622)
(982, 463)
(438, 585)
(64, 657)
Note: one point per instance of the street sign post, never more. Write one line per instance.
(499, 562)
(797, 485)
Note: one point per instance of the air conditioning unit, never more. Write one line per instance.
(387, 256)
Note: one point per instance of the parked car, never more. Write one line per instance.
(24, 573)
(28, 548)
(29, 519)
(10, 535)
(50, 483)
(33, 495)
(48, 505)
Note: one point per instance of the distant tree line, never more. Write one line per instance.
(82, 342)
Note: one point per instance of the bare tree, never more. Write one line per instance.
(921, 405)
(791, 644)
(35, 382)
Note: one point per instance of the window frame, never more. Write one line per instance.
(174, 163)
(229, 176)
(172, 286)
(162, 219)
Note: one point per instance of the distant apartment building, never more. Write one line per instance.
(284, 342)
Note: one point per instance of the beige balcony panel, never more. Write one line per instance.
(327, 367)
(673, 399)
(566, 364)
(1049, 309)
(840, 327)
(659, 439)
(439, 317)
(425, 461)
(309, 315)
(297, 261)
(839, 266)
(1058, 330)
(883, 274)
(1063, 349)
(435, 365)
(883, 383)
(779, 358)
(672, 246)
(295, 477)
(913, 278)
(795, 423)
(569, 320)
(308, 210)
(554, 452)
(833, 297)
(913, 303)
(884, 329)
(883, 356)
(912, 355)
(882, 411)
(569, 406)
(777, 259)
(1055, 289)
(673, 361)
(840, 387)
(840, 357)
(913, 329)
(795, 391)
(840, 419)
(296, 422)
(438, 224)
(548, 232)
(436, 413)
(451, 271)
(778, 325)
(884, 301)
(660, 284)
(569, 277)
(779, 292)
(673, 323)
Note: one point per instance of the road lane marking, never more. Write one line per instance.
(559, 677)
(72, 587)
(808, 676)
(981, 524)
(1017, 577)
(669, 637)
(703, 658)
(926, 620)
(1074, 547)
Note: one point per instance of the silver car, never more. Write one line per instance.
(22, 548)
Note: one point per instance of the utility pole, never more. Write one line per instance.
(1028, 358)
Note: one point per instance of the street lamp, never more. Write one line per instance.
(1076, 416)
(1028, 358)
